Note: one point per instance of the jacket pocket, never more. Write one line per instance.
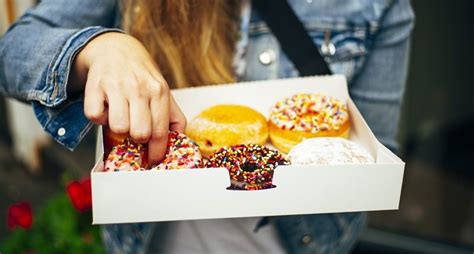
(344, 51)
(319, 233)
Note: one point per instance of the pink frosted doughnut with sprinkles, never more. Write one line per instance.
(181, 153)
(129, 156)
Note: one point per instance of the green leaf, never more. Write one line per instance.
(57, 228)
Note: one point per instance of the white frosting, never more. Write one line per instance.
(317, 151)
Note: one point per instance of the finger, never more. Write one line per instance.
(159, 107)
(118, 113)
(94, 102)
(140, 119)
(177, 118)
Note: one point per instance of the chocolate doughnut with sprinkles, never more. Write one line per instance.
(250, 166)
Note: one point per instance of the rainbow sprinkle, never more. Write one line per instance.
(129, 156)
(181, 153)
(309, 113)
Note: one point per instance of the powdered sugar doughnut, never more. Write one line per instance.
(316, 151)
(181, 153)
(128, 156)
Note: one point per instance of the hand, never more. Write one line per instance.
(125, 89)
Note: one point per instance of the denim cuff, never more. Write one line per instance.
(59, 68)
(61, 117)
(66, 123)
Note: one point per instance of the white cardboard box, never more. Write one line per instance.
(188, 194)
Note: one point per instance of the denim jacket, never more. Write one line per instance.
(366, 40)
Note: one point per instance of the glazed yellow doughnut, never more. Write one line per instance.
(226, 125)
(304, 116)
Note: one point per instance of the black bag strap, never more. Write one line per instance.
(293, 38)
(295, 42)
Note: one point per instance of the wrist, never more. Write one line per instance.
(82, 62)
(94, 48)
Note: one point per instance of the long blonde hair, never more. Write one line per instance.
(192, 41)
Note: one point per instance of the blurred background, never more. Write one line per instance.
(436, 212)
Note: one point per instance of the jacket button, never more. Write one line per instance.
(61, 131)
(267, 57)
(306, 239)
(328, 49)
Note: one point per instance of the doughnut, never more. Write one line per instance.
(181, 153)
(303, 116)
(226, 125)
(128, 156)
(112, 139)
(250, 166)
(317, 151)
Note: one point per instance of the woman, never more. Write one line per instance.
(71, 63)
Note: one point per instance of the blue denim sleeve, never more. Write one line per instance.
(36, 55)
(379, 87)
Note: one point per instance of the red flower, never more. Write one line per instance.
(80, 194)
(19, 214)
